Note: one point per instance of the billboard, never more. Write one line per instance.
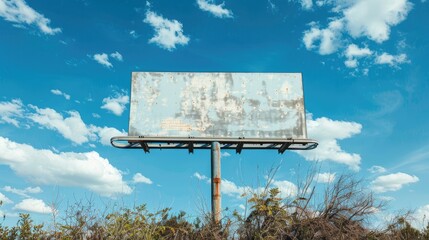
(217, 105)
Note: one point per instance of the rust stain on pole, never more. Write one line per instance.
(216, 182)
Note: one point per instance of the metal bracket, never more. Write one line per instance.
(284, 146)
(239, 148)
(191, 147)
(145, 147)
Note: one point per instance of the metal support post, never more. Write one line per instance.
(216, 179)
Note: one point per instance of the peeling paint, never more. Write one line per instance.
(250, 105)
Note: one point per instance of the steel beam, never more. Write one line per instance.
(284, 146)
(216, 181)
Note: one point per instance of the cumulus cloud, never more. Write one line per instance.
(327, 132)
(306, 4)
(106, 133)
(371, 19)
(225, 154)
(287, 189)
(10, 111)
(376, 169)
(18, 12)
(392, 60)
(374, 18)
(200, 176)
(353, 52)
(34, 205)
(324, 177)
(23, 192)
(231, 189)
(72, 127)
(60, 93)
(103, 59)
(116, 104)
(42, 166)
(217, 10)
(324, 40)
(392, 182)
(421, 217)
(116, 55)
(168, 33)
(4, 199)
(139, 178)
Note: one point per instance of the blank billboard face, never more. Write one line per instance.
(217, 105)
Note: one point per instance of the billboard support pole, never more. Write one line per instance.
(216, 180)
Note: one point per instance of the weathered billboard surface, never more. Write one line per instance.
(217, 105)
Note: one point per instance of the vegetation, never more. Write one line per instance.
(344, 212)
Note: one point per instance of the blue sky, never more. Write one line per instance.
(65, 71)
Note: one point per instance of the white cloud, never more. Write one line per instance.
(106, 133)
(286, 188)
(231, 189)
(327, 132)
(421, 217)
(351, 63)
(42, 166)
(103, 59)
(271, 6)
(200, 176)
(376, 169)
(225, 154)
(96, 115)
(168, 33)
(59, 92)
(386, 198)
(217, 10)
(72, 127)
(134, 34)
(116, 55)
(392, 60)
(374, 18)
(353, 52)
(327, 40)
(4, 199)
(116, 104)
(10, 111)
(392, 182)
(17, 11)
(23, 192)
(139, 178)
(321, 3)
(324, 177)
(307, 4)
(34, 205)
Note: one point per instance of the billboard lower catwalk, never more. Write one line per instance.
(245, 110)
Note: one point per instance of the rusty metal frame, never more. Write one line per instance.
(191, 143)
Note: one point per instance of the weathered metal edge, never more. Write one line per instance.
(147, 143)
